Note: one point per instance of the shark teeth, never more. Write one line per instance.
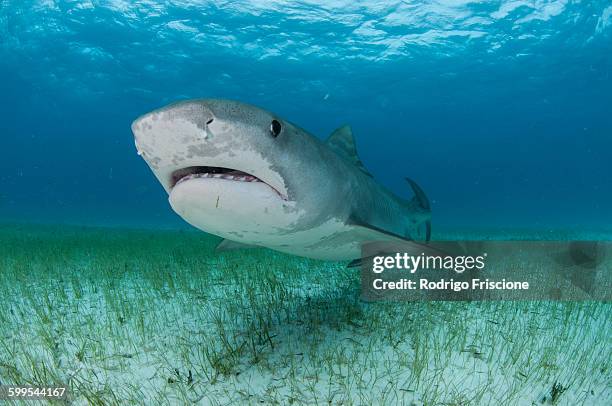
(226, 176)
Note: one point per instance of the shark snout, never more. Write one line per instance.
(173, 137)
(208, 139)
(175, 125)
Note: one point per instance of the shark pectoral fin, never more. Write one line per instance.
(361, 261)
(228, 245)
(342, 142)
(423, 203)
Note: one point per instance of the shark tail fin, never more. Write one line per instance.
(421, 201)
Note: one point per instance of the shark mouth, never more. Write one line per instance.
(215, 172)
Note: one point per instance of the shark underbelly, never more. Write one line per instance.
(254, 215)
(333, 240)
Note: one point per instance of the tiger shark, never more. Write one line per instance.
(257, 180)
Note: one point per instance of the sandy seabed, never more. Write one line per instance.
(157, 317)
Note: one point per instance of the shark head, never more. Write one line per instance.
(233, 169)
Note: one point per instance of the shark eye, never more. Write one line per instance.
(275, 128)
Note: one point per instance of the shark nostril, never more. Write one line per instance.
(210, 121)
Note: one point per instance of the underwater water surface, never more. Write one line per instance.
(500, 110)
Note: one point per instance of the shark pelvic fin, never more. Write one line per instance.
(229, 245)
(423, 203)
(342, 142)
(355, 221)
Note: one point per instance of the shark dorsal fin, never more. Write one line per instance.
(342, 142)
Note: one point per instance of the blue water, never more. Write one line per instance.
(501, 110)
